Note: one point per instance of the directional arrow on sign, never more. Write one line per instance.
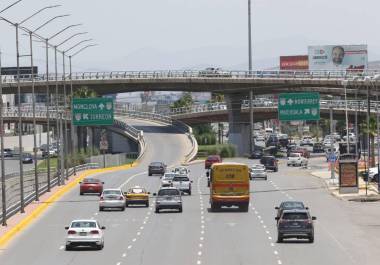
(101, 106)
(85, 116)
(290, 101)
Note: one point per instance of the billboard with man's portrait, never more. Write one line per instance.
(338, 57)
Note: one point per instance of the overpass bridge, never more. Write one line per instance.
(261, 82)
(218, 112)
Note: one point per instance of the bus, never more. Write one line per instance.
(229, 186)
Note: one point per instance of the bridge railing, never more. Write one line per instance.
(312, 74)
(213, 107)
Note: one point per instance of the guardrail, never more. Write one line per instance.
(257, 74)
(352, 105)
(13, 187)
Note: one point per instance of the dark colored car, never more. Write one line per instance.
(211, 160)
(295, 224)
(27, 158)
(290, 205)
(8, 152)
(156, 168)
(270, 162)
(273, 141)
(91, 185)
(318, 148)
(257, 153)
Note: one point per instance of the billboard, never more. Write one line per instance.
(298, 62)
(338, 57)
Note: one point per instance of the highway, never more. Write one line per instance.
(345, 232)
(12, 165)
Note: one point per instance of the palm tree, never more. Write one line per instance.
(372, 131)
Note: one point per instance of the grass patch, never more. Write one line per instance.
(43, 165)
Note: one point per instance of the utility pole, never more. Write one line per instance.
(3, 187)
(251, 141)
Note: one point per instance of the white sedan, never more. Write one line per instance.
(84, 233)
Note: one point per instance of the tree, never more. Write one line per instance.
(372, 131)
(185, 101)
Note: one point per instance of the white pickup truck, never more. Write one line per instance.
(183, 183)
(296, 159)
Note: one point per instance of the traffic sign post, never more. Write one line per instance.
(298, 107)
(92, 111)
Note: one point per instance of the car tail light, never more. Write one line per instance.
(101, 198)
(71, 232)
(95, 232)
(121, 198)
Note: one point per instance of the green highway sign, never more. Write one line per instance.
(298, 107)
(92, 111)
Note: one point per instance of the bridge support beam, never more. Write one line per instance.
(238, 127)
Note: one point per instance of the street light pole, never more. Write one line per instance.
(332, 151)
(251, 141)
(345, 83)
(65, 111)
(368, 133)
(3, 187)
(19, 122)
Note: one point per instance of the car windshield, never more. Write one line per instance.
(169, 176)
(156, 164)
(111, 192)
(258, 170)
(91, 181)
(292, 205)
(83, 224)
(181, 178)
(295, 216)
(136, 190)
(168, 192)
(294, 155)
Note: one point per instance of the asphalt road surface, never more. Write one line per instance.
(12, 165)
(345, 232)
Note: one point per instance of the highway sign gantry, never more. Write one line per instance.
(298, 107)
(92, 111)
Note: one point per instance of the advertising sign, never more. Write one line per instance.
(298, 62)
(92, 111)
(298, 107)
(348, 176)
(338, 57)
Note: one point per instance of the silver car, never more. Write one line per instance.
(112, 198)
(256, 173)
(84, 233)
(166, 180)
(168, 198)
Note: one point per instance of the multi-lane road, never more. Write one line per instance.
(345, 232)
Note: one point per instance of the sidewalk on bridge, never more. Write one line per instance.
(333, 186)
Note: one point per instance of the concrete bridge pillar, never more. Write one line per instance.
(238, 128)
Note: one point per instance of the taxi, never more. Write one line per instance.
(136, 195)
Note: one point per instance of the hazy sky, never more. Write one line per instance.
(182, 34)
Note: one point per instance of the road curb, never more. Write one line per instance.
(27, 220)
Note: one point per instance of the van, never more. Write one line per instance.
(229, 186)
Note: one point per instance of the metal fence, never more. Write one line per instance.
(13, 191)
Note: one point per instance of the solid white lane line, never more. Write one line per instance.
(261, 221)
(61, 247)
(202, 232)
(199, 262)
(201, 238)
(269, 237)
(141, 227)
(200, 245)
(199, 253)
(124, 255)
(275, 252)
(134, 240)
(118, 263)
(272, 244)
(138, 233)
(267, 232)
(130, 246)
(279, 262)
(264, 226)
